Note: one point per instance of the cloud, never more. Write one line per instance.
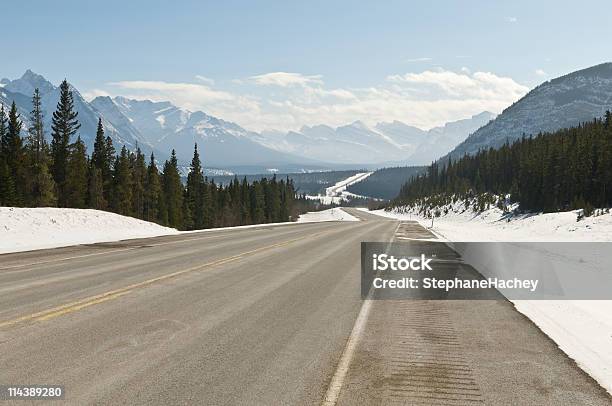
(540, 72)
(93, 93)
(288, 101)
(285, 79)
(423, 59)
(464, 85)
(206, 80)
(511, 20)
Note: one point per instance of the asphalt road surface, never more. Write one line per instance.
(261, 316)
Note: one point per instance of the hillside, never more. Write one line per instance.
(559, 103)
(385, 183)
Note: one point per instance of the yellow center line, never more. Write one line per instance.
(102, 253)
(103, 297)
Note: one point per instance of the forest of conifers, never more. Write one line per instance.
(566, 169)
(36, 174)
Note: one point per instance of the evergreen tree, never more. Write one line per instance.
(101, 162)
(7, 184)
(122, 190)
(14, 157)
(152, 195)
(40, 185)
(194, 197)
(173, 192)
(64, 126)
(76, 186)
(95, 189)
(139, 179)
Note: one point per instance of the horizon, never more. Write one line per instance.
(355, 122)
(287, 66)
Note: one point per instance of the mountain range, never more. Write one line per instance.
(160, 127)
(559, 103)
(383, 144)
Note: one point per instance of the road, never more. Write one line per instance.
(260, 316)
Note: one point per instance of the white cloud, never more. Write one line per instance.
(511, 20)
(540, 72)
(287, 101)
(286, 79)
(93, 93)
(423, 59)
(206, 80)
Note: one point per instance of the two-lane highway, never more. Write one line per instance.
(250, 316)
(264, 316)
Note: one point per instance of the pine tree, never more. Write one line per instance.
(64, 126)
(152, 195)
(101, 165)
(122, 190)
(40, 185)
(139, 179)
(173, 192)
(194, 218)
(108, 170)
(14, 156)
(7, 185)
(76, 187)
(95, 189)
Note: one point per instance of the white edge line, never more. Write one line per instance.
(335, 386)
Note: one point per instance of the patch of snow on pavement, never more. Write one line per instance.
(24, 229)
(335, 214)
(581, 328)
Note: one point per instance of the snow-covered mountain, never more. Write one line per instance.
(385, 143)
(20, 90)
(154, 127)
(161, 127)
(559, 103)
(166, 127)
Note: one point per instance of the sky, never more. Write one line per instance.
(284, 64)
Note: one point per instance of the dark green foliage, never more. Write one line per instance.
(172, 189)
(124, 183)
(76, 187)
(152, 193)
(14, 157)
(194, 197)
(385, 183)
(64, 126)
(40, 187)
(568, 169)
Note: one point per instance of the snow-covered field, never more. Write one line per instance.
(338, 193)
(581, 328)
(24, 229)
(335, 214)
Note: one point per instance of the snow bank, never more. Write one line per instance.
(24, 229)
(581, 328)
(334, 214)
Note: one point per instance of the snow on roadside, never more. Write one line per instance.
(24, 229)
(335, 214)
(581, 328)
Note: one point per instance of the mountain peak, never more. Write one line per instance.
(28, 82)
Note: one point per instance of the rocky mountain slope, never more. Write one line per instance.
(559, 103)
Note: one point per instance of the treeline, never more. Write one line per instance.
(567, 169)
(385, 183)
(36, 174)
